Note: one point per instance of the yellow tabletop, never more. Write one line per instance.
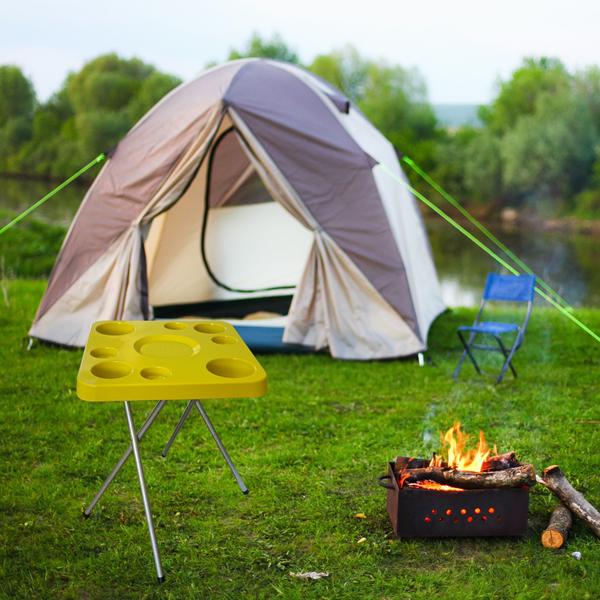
(167, 360)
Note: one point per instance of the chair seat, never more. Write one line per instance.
(491, 327)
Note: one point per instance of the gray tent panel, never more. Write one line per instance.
(327, 169)
(139, 165)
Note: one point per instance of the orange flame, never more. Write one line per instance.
(428, 484)
(454, 441)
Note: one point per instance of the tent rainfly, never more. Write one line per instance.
(255, 184)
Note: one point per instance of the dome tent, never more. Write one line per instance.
(254, 177)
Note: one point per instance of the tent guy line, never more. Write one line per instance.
(58, 188)
(465, 213)
(487, 250)
(565, 310)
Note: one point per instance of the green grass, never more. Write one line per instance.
(30, 248)
(310, 452)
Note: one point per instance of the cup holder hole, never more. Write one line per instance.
(111, 369)
(175, 325)
(105, 352)
(223, 339)
(153, 373)
(232, 368)
(209, 328)
(115, 328)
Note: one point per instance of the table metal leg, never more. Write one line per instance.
(182, 420)
(219, 443)
(151, 417)
(144, 491)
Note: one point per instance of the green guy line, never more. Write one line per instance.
(495, 256)
(49, 195)
(456, 204)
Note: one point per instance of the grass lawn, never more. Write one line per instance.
(310, 452)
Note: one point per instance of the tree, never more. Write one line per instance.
(91, 112)
(449, 159)
(587, 85)
(17, 102)
(548, 155)
(153, 88)
(394, 99)
(519, 95)
(17, 96)
(483, 167)
(274, 48)
(345, 69)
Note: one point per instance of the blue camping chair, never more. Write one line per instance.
(498, 288)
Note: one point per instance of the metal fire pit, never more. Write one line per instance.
(417, 513)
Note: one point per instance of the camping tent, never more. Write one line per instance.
(257, 183)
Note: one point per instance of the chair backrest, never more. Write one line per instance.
(509, 288)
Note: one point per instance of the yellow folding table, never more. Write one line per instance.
(158, 360)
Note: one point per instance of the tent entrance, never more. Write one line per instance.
(226, 248)
(220, 309)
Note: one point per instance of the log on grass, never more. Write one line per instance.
(500, 462)
(555, 535)
(470, 480)
(556, 482)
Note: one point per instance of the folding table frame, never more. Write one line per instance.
(136, 438)
(128, 361)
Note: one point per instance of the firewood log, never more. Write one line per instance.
(555, 535)
(556, 482)
(409, 462)
(500, 462)
(508, 478)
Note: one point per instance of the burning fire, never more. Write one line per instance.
(428, 484)
(454, 441)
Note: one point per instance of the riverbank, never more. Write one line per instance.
(510, 220)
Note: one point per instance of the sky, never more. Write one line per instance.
(462, 48)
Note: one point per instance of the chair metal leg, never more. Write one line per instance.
(147, 423)
(507, 362)
(182, 420)
(144, 491)
(467, 352)
(221, 447)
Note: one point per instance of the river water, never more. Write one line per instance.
(567, 261)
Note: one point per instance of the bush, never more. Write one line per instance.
(587, 204)
(30, 248)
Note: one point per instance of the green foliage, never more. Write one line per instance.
(519, 96)
(345, 69)
(153, 88)
(587, 203)
(587, 86)
(483, 167)
(106, 83)
(310, 452)
(30, 248)
(539, 139)
(394, 99)
(274, 48)
(17, 102)
(548, 154)
(449, 156)
(535, 149)
(92, 111)
(17, 97)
